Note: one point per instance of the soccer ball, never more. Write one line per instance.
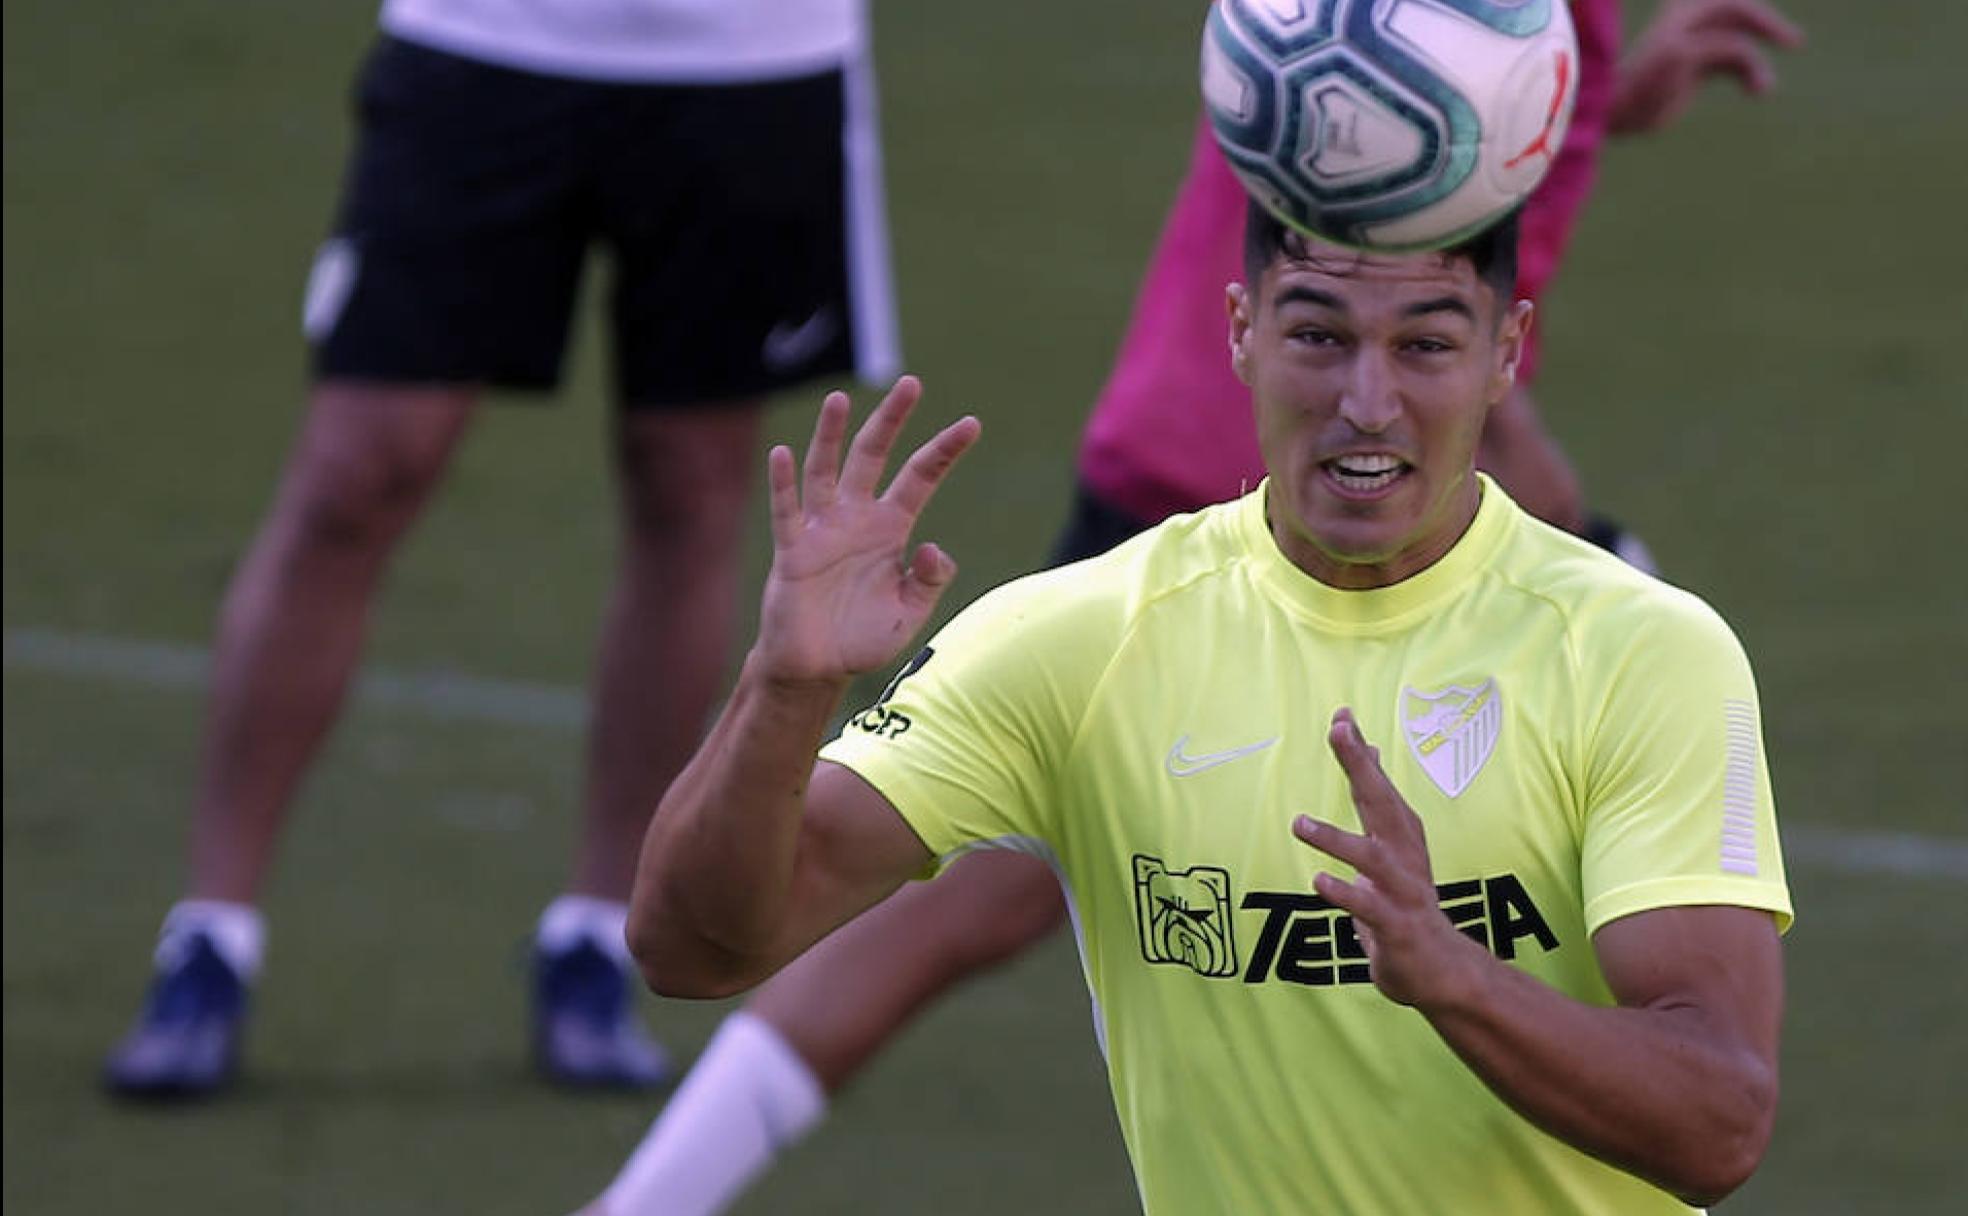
(1390, 124)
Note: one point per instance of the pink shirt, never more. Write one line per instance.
(1171, 430)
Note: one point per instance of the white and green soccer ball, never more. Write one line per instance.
(1390, 124)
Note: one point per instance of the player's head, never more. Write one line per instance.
(1371, 375)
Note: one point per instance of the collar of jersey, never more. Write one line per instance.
(1381, 608)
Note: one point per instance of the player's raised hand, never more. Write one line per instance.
(1415, 954)
(846, 592)
(1687, 42)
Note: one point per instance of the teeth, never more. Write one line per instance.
(1365, 472)
(1367, 465)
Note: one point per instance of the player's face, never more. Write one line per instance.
(1371, 376)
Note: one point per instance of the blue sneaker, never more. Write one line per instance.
(186, 1041)
(585, 1028)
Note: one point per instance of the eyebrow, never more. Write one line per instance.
(1440, 304)
(1299, 294)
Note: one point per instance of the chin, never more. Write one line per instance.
(1355, 530)
(1355, 545)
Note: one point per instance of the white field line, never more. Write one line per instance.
(457, 697)
(433, 694)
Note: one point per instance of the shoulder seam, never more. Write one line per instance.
(1230, 563)
(1568, 627)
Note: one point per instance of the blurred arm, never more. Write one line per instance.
(1521, 454)
(1687, 42)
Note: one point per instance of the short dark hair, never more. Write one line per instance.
(1493, 251)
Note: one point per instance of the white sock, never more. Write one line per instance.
(748, 1097)
(571, 918)
(237, 932)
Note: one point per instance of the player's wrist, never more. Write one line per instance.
(791, 681)
(1461, 979)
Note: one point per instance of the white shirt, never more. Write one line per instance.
(684, 41)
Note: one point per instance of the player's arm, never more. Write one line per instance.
(755, 851)
(1687, 42)
(1677, 1083)
(1690, 1050)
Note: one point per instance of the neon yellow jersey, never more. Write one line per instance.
(1580, 740)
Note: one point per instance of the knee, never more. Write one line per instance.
(1015, 907)
(342, 498)
(1035, 907)
(687, 485)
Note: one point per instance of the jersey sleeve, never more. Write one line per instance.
(967, 739)
(1677, 802)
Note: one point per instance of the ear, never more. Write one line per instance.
(1237, 303)
(1514, 333)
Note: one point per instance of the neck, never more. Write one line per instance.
(1352, 572)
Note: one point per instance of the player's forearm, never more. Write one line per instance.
(1652, 1090)
(715, 878)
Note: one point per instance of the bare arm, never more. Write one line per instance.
(1687, 42)
(756, 852)
(1677, 1083)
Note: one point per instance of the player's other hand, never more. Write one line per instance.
(1417, 957)
(1687, 42)
(846, 591)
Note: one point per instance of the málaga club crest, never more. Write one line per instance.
(1452, 732)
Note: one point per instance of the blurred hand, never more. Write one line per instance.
(845, 595)
(1687, 42)
(1415, 955)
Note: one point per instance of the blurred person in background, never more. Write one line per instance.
(1169, 433)
(724, 154)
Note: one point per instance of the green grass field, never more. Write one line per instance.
(1755, 356)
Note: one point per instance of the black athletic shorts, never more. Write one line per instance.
(743, 226)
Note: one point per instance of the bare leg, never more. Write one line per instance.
(291, 629)
(838, 1003)
(764, 1079)
(1527, 462)
(686, 478)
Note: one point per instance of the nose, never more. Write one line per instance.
(1370, 401)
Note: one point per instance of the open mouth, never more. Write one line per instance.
(1365, 474)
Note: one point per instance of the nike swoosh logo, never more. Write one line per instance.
(790, 345)
(1179, 765)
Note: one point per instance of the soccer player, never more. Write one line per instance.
(1166, 435)
(724, 153)
(1422, 855)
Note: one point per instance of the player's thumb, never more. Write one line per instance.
(932, 567)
